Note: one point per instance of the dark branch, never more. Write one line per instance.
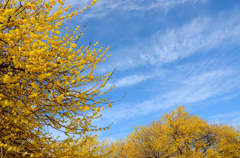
(6, 5)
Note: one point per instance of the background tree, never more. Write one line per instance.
(179, 134)
(42, 74)
(88, 147)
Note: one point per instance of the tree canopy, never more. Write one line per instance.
(42, 74)
(179, 134)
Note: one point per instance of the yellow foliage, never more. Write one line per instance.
(42, 70)
(179, 134)
(86, 147)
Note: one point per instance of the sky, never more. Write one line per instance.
(166, 53)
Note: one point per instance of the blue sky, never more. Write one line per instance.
(166, 53)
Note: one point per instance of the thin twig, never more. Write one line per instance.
(84, 28)
(6, 5)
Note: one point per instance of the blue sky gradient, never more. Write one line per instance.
(166, 53)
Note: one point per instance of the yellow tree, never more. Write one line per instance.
(118, 148)
(42, 73)
(179, 134)
(88, 147)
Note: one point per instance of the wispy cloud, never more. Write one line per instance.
(127, 81)
(228, 115)
(194, 89)
(201, 87)
(232, 118)
(104, 7)
(200, 35)
(131, 80)
(144, 5)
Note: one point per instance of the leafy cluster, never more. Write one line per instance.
(42, 72)
(179, 134)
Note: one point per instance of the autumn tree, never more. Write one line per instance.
(43, 70)
(87, 147)
(179, 134)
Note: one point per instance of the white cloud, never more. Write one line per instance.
(230, 118)
(228, 115)
(201, 87)
(127, 81)
(194, 89)
(144, 5)
(201, 34)
(105, 7)
(131, 80)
